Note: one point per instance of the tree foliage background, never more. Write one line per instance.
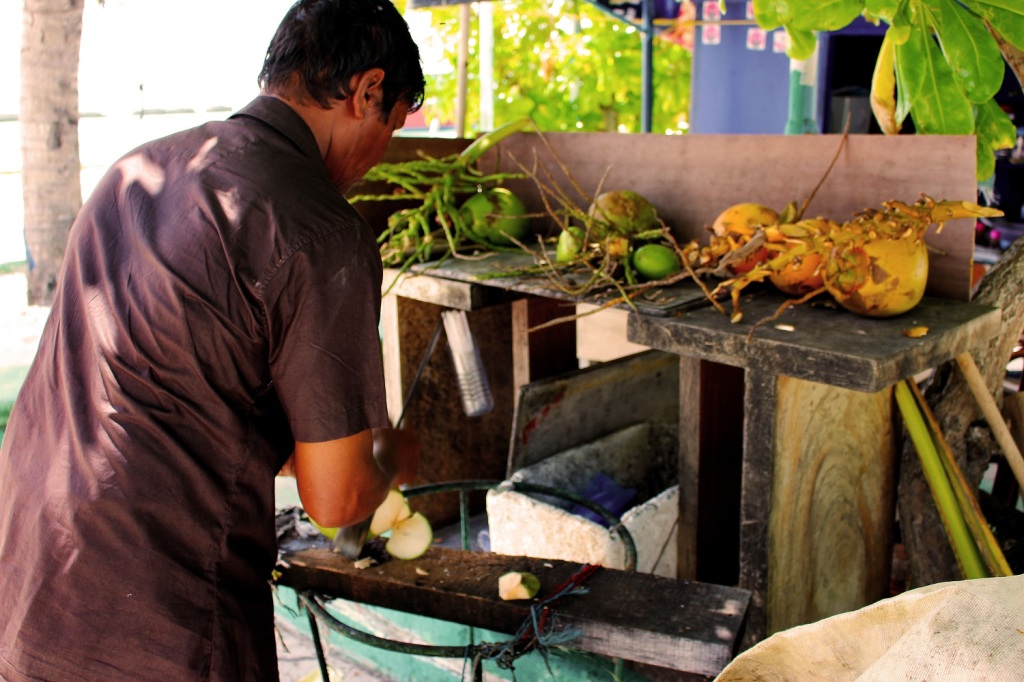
(941, 62)
(566, 64)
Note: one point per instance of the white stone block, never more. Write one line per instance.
(544, 527)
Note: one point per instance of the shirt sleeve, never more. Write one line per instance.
(323, 312)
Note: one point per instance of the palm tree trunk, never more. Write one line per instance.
(51, 170)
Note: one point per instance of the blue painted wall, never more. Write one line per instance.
(734, 89)
(739, 90)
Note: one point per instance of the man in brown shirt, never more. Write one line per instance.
(217, 312)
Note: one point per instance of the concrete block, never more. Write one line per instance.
(637, 456)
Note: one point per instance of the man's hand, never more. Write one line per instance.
(342, 481)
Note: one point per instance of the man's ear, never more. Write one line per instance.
(367, 91)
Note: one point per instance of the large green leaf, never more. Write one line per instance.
(824, 15)
(985, 162)
(937, 105)
(769, 13)
(883, 88)
(801, 43)
(972, 52)
(1006, 16)
(902, 89)
(901, 24)
(994, 130)
(884, 10)
(995, 126)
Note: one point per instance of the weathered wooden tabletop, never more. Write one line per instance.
(508, 272)
(823, 343)
(675, 624)
(814, 341)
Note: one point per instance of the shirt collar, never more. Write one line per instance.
(285, 120)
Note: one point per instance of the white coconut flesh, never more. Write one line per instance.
(516, 585)
(392, 511)
(410, 538)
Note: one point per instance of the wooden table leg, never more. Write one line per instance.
(758, 435)
(833, 493)
(543, 352)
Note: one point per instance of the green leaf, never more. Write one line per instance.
(883, 88)
(994, 130)
(993, 124)
(937, 105)
(801, 43)
(520, 107)
(972, 52)
(824, 15)
(885, 10)
(1006, 17)
(902, 90)
(769, 13)
(901, 25)
(985, 165)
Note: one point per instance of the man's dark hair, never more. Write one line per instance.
(327, 42)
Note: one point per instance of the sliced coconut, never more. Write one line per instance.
(517, 585)
(392, 511)
(410, 538)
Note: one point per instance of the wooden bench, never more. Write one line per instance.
(676, 624)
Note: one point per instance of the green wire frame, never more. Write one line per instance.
(315, 609)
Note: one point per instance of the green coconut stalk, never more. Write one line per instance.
(434, 229)
(988, 546)
(964, 549)
(480, 145)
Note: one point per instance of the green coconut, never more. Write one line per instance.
(622, 212)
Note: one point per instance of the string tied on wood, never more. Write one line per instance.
(539, 629)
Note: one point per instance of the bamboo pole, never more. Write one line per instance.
(965, 550)
(991, 411)
(988, 546)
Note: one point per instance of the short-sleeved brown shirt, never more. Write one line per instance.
(219, 300)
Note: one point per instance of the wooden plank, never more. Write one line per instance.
(824, 344)
(403, 148)
(540, 353)
(555, 414)
(710, 462)
(674, 624)
(833, 497)
(755, 498)
(507, 271)
(721, 463)
(689, 467)
(444, 292)
(601, 336)
(391, 352)
(691, 178)
(455, 446)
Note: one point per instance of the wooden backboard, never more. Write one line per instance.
(691, 178)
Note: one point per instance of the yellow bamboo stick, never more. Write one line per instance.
(992, 415)
(965, 550)
(988, 546)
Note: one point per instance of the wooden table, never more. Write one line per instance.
(819, 442)
(788, 437)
